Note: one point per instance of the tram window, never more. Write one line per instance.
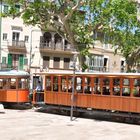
(136, 82)
(126, 91)
(126, 87)
(126, 82)
(55, 83)
(1, 83)
(136, 89)
(106, 86)
(13, 83)
(97, 86)
(79, 84)
(26, 82)
(106, 81)
(70, 84)
(19, 84)
(48, 83)
(116, 82)
(116, 86)
(23, 83)
(87, 87)
(6, 83)
(63, 84)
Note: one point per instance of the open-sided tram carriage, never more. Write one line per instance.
(99, 91)
(14, 87)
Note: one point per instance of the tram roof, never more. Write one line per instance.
(14, 73)
(88, 73)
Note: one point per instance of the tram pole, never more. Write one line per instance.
(73, 83)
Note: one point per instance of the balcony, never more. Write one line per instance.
(13, 67)
(98, 69)
(56, 48)
(17, 46)
(6, 67)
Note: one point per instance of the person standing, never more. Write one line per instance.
(38, 91)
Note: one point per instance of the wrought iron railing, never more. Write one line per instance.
(52, 46)
(19, 44)
(98, 68)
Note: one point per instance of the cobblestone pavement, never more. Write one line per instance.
(31, 125)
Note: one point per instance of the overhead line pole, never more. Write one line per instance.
(73, 85)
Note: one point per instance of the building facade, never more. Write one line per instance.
(28, 48)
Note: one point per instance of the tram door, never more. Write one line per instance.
(39, 94)
(35, 81)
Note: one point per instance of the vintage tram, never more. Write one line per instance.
(95, 91)
(14, 87)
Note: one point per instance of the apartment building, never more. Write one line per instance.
(28, 48)
(24, 47)
(102, 57)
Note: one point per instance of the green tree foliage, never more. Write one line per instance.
(75, 20)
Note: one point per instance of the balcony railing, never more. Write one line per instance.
(6, 67)
(14, 43)
(18, 46)
(100, 68)
(57, 47)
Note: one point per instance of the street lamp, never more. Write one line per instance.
(73, 83)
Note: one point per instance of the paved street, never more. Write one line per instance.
(30, 125)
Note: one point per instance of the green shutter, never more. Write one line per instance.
(21, 62)
(9, 60)
(25, 61)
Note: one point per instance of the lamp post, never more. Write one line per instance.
(31, 41)
(30, 57)
(73, 84)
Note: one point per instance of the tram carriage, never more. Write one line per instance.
(14, 87)
(101, 91)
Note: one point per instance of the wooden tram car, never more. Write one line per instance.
(100, 91)
(14, 87)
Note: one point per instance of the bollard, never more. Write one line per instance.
(2, 108)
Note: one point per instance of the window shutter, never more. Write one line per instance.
(56, 62)
(46, 61)
(25, 61)
(3, 60)
(66, 63)
(21, 62)
(9, 60)
(41, 39)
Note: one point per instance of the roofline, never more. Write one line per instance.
(88, 73)
(14, 73)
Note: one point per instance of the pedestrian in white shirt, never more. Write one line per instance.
(38, 93)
